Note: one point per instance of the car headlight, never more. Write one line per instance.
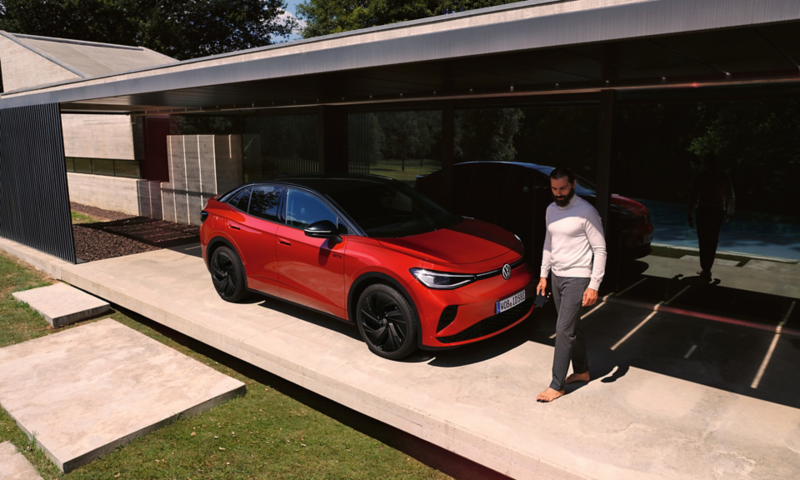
(441, 280)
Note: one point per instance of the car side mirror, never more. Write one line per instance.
(323, 229)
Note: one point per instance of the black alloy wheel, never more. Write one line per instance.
(387, 322)
(227, 274)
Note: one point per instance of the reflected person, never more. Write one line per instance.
(712, 192)
(575, 254)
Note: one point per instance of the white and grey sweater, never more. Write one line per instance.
(574, 238)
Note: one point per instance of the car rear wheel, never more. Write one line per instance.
(227, 274)
(387, 322)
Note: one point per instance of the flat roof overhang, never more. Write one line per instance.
(646, 50)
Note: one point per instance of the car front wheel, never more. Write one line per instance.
(227, 274)
(387, 322)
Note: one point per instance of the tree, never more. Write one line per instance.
(487, 134)
(180, 29)
(325, 17)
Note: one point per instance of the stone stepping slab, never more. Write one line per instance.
(61, 304)
(14, 465)
(85, 391)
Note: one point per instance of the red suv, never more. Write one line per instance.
(372, 251)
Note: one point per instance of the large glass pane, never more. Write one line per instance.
(399, 145)
(274, 145)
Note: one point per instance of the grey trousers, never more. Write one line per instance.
(568, 295)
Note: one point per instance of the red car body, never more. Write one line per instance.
(283, 261)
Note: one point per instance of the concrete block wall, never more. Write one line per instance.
(128, 195)
(24, 68)
(98, 136)
(200, 167)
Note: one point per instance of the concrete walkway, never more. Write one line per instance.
(14, 465)
(478, 403)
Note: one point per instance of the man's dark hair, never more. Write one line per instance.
(561, 172)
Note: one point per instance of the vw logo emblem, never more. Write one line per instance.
(506, 271)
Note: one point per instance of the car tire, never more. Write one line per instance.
(227, 274)
(387, 322)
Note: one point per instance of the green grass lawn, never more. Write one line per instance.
(78, 217)
(392, 169)
(264, 434)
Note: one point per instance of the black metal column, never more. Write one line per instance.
(448, 150)
(606, 151)
(333, 139)
(34, 196)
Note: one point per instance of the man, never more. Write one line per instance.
(575, 253)
(712, 192)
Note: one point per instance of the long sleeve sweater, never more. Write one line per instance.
(574, 245)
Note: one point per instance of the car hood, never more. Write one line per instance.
(471, 241)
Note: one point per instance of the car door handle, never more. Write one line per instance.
(285, 242)
(235, 228)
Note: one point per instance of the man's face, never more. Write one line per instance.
(563, 190)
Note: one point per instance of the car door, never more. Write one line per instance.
(311, 270)
(261, 228)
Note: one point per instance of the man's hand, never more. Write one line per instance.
(691, 221)
(728, 217)
(540, 289)
(589, 297)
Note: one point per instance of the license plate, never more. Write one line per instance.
(647, 239)
(509, 302)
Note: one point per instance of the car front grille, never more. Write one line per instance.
(491, 324)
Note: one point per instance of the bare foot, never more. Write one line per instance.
(549, 395)
(578, 377)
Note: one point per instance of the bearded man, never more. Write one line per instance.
(575, 256)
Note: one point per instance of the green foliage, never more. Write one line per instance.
(487, 134)
(180, 29)
(325, 17)
(409, 134)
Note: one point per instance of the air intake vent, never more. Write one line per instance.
(448, 315)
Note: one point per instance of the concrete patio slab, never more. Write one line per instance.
(61, 304)
(14, 465)
(85, 391)
(479, 404)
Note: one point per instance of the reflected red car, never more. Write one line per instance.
(515, 196)
(371, 251)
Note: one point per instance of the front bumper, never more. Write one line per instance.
(475, 318)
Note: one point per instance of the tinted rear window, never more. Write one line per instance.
(241, 199)
(265, 201)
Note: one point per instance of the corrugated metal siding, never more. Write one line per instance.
(34, 196)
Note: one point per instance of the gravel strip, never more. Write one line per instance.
(121, 234)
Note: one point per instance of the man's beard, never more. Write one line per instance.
(566, 199)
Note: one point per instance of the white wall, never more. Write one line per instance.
(98, 136)
(128, 195)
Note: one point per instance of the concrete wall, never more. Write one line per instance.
(200, 167)
(128, 195)
(24, 68)
(98, 136)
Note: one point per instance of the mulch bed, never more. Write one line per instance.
(123, 234)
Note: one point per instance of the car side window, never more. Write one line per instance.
(303, 209)
(241, 199)
(265, 201)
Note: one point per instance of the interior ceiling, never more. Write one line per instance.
(723, 64)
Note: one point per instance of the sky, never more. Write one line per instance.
(291, 7)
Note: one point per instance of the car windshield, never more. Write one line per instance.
(390, 209)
